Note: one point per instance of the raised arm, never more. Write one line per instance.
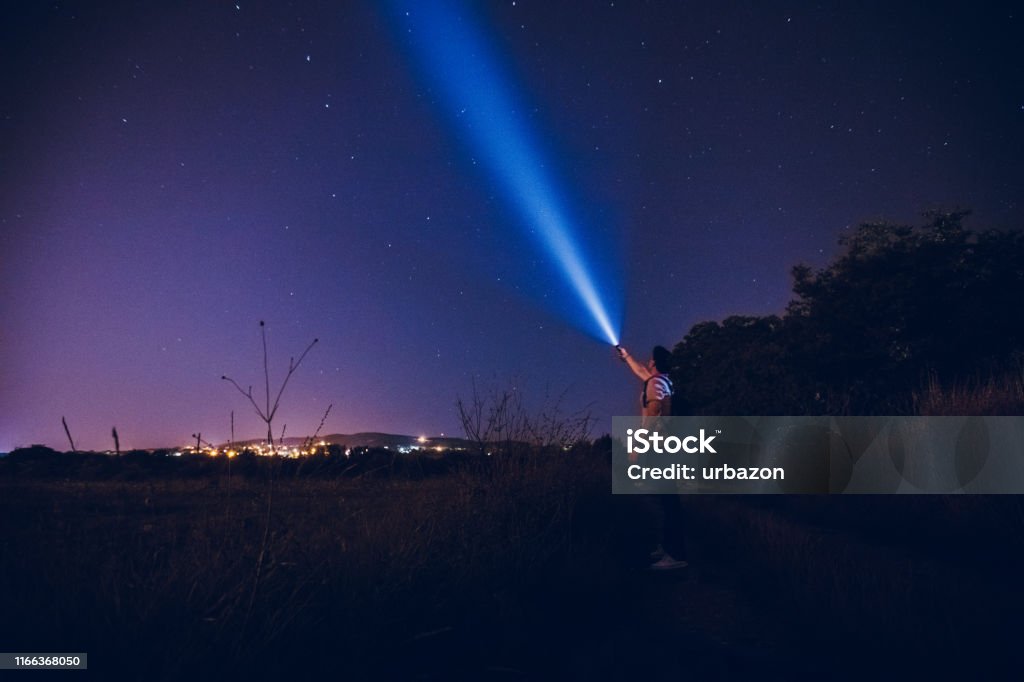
(637, 368)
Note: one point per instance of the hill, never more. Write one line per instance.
(371, 439)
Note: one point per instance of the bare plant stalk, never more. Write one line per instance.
(200, 440)
(268, 412)
(266, 369)
(309, 441)
(68, 432)
(498, 420)
(471, 416)
(553, 428)
(227, 508)
(117, 441)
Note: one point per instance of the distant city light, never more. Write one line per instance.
(293, 452)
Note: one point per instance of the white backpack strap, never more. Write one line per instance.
(664, 383)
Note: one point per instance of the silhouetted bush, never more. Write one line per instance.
(899, 307)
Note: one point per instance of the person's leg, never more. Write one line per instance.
(673, 532)
(654, 515)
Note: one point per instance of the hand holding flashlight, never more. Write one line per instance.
(621, 351)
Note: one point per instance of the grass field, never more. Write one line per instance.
(524, 568)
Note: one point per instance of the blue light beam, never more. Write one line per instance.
(456, 59)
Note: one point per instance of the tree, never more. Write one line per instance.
(739, 366)
(898, 305)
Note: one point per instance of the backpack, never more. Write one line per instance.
(668, 386)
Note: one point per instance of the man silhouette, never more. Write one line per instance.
(656, 404)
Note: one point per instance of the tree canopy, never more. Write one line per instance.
(899, 305)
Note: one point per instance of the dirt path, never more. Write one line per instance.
(776, 597)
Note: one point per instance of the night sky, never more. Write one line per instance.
(172, 173)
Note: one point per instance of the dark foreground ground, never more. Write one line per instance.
(525, 569)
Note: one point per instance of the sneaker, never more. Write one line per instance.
(667, 563)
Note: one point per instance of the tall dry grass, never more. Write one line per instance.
(165, 577)
(998, 395)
